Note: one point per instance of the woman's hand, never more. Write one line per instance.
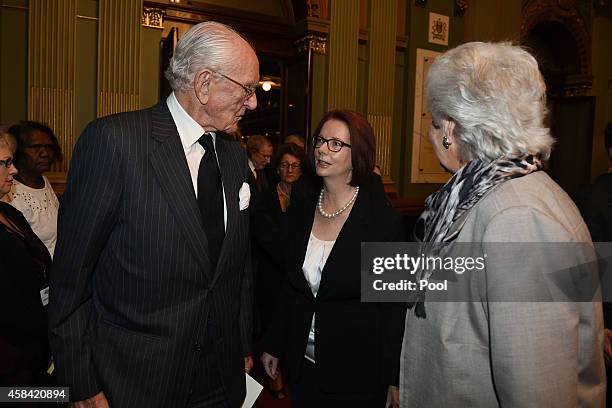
(608, 346)
(270, 364)
(393, 397)
(248, 364)
(97, 401)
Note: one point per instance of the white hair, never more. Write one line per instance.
(205, 45)
(495, 95)
(8, 141)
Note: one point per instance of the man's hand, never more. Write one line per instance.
(270, 364)
(393, 397)
(97, 401)
(248, 364)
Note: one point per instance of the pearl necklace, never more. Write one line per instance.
(340, 211)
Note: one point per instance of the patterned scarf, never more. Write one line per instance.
(467, 186)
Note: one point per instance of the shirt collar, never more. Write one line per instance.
(252, 166)
(188, 129)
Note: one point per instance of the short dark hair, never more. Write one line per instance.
(24, 128)
(363, 143)
(255, 143)
(291, 149)
(608, 137)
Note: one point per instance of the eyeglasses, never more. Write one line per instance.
(249, 90)
(7, 163)
(265, 156)
(292, 166)
(334, 145)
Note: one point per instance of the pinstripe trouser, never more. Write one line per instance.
(207, 389)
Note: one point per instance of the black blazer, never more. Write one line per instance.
(133, 296)
(266, 230)
(357, 345)
(24, 264)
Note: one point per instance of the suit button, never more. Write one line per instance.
(197, 346)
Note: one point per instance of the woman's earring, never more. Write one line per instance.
(446, 143)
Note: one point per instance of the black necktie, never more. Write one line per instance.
(261, 180)
(210, 198)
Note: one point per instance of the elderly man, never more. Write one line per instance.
(259, 150)
(151, 289)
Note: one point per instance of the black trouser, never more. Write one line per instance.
(306, 393)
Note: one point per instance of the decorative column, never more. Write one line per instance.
(381, 79)
(343, 54)
(119, 56)
(51, 54)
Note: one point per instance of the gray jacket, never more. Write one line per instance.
(509, 354)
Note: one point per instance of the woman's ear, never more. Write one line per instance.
(448, 128)
(201, 85)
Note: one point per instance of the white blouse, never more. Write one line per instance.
(39, 206)
(317, 253)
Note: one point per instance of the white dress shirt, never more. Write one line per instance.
(190, 132)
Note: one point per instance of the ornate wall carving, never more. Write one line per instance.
(565, 12)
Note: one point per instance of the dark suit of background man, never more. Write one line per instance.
(259, 151)
(151, 287)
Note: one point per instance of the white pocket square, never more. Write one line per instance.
(244, 196)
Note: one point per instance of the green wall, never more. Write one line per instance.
(13, 60)
(150, 65)
(418, 38)
(86, 69)
(489, 20)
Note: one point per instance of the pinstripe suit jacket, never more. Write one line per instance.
(133, 295)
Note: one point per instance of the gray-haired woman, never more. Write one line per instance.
(488, 106)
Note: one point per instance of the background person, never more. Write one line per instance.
(296, 140)
(267, 217)
(32, 193)
(24, 289)
(488, 106)
(259, 152)
(347, 353)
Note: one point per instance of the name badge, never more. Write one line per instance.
(44, 296)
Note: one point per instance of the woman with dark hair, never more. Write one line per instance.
(32, 194)
(267, 214)
(338, 351)
(24, 289)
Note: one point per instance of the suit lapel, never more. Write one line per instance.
(170, 165)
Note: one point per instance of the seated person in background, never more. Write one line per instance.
(24, 291)
(267, 214)
(296, 140)
(259, 152)
(32, 194)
